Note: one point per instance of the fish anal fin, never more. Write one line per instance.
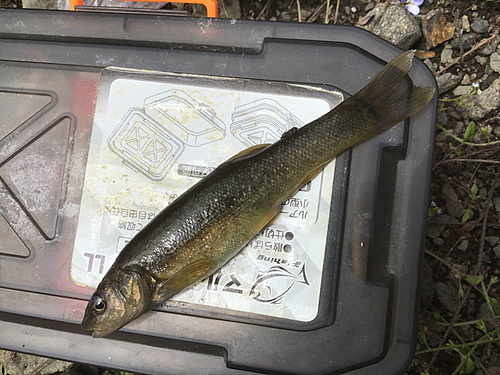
(185, 277)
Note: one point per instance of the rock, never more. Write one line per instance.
(484, 312)
(438, 241)
(369, 6)
(434, 231)
(429, 65)
(447, 55)
(495, 62)
(448, 296)
(465, 23)
(492, 240)
(462, 90)
(463, 245)
(459, 127)
(496, 250)
(455, 115)
(481, 59)
(453, 205)
(479, 26)
(487, 49)
(435, 28)
(496, 202)
(427, 283)
(397, 26)
(466, 80)
(488, 101)
(446, 82)
(466, 41)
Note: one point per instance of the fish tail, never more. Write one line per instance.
(391, 95)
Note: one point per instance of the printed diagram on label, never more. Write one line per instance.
(155, 136)
(151, 139)
(262, 121)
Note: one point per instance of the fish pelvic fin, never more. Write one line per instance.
(391, 95)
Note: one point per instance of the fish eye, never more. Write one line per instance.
(99, 304)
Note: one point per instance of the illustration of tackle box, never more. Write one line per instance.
(262, 121)
(145, 145)
(83, 92)
(194, 123)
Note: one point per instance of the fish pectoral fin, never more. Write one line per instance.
(187, 276)
(248, 151)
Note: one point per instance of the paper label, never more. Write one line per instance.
(153, 139)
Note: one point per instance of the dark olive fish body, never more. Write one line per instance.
(213, 220)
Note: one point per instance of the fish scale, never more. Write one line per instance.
(213, 220)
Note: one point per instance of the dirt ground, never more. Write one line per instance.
(460, 281)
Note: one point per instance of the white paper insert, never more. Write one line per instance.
(153, 140)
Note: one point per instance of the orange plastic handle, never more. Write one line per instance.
(211, 5)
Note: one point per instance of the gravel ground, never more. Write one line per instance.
(463, 244)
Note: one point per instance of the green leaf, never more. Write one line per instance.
(466, 215)
(473, 280)
(469, 132)
(469, 366)
(473, 190)
(496, 305)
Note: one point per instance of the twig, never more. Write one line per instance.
(377, 16)
(40, 366)
(265, 9)
(336, 12)
(317, 12)
(298, 11)
(475, 47)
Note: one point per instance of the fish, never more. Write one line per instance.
(272, 285)
(212, 221)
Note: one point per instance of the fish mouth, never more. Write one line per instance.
(101, 333)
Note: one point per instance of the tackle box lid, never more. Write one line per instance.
(103, 111)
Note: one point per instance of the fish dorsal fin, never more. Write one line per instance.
(248, 151)
(186, 276)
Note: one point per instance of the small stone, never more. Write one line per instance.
(455, 115)
(465, 23)
(496, 250)
(486, 50)
(434, 231)
(448, 296)
(481, 59)
(479, 26)
(435, 28)
(438, 241)
(492, 240)
(397, 26)
(353, 10)
(447, 55)
(429, 64)
(447, 82)
(465, 80)
(453, 205)
(495, 62)
(369, 6)
(347, 10)
(463, 245)
(462, 90)
(466, 41)
(488, 101)
(496, 202)
(459, 127)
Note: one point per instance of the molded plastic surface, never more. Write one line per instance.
(50, 65)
